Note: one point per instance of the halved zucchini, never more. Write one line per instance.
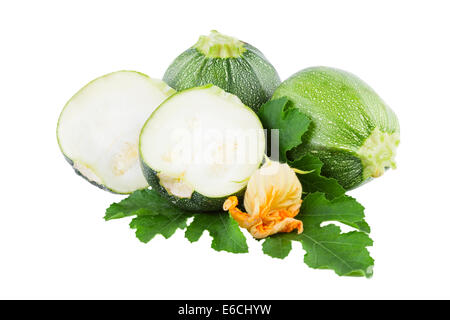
(201, 146)
(98, 129)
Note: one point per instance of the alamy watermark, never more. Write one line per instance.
(221, 146)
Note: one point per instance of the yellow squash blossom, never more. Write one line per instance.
(272, 200)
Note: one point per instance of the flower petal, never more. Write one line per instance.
(287, 225)
(272, 200)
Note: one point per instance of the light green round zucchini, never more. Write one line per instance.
(235, 66)
(353, 131)
(200, 146)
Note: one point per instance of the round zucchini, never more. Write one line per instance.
(200, 146)
(233, 65)
(98, 129)
(353, 131)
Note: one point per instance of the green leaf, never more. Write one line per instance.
(277, 246)
(314, 181)
(225, 231)
(345, 253)
(292, 124)
(345, 209)
(155, 215)
(141, 202)
(149, 226)
(326, 247)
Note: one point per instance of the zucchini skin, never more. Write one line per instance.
(345, 112)
(101, 186)
(250, 76)
(197, 202)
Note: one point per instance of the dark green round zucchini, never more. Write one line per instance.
(233, 65)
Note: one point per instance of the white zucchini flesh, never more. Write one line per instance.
(98, 129)
(204, 140)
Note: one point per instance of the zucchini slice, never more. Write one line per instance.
(200, 146)
(233, 65)
(98, 129)
(354, 132)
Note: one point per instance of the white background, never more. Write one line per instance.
(53, 240)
